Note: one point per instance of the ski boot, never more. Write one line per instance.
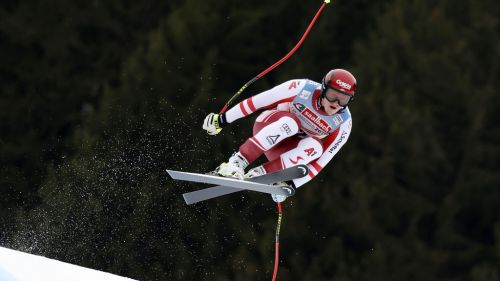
(259, 171)
(255, 172)
(234, 168)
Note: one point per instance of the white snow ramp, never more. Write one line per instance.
(19, 266)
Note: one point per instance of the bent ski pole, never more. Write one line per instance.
(290, 53)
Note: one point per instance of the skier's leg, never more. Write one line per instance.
(307, 150)
(293, 151)
(271, 128)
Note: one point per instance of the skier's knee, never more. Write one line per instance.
(289, 125)
(314, 147)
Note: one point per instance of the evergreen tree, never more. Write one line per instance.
(411, 196)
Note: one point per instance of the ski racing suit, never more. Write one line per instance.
(294, 129)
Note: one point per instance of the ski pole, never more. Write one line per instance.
(277, 243)
(290, 53)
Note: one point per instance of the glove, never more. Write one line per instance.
(213, 123)
(278, 198)
(281, 198)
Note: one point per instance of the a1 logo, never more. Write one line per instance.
(309, 151)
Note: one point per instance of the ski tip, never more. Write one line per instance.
(289, 189)
(303, 169)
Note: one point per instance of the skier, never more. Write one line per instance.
(305, 123)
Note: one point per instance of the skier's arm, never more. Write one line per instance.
(282, 93)
(331, 146)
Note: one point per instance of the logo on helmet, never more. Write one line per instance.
(343, 84)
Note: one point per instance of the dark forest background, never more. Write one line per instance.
(98, 98)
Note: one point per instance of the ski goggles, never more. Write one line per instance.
(333, 95)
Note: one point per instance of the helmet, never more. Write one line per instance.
(341, 81)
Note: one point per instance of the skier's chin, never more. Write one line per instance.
(329, 107)
(330, 110)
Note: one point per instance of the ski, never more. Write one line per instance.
(240, 184)
(224, 189)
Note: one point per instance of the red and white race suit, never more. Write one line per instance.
(293, 129)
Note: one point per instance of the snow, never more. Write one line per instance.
(19, 266)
